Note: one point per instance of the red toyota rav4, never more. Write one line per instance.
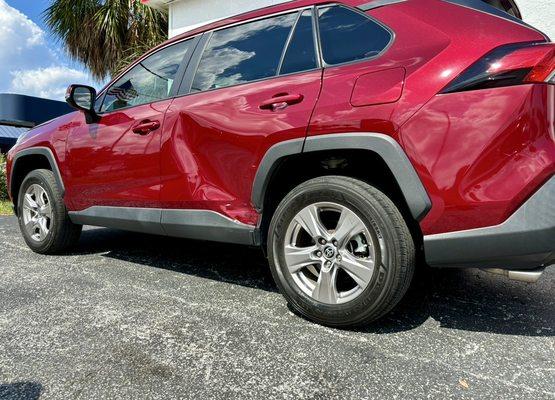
(347, 138)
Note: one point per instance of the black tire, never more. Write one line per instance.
(396, 262)
(62, 232)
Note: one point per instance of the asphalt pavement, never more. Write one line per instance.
(132, 316)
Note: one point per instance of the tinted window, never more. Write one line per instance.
(243, 53)
(148, 81)
(301, 55)
(347, 35)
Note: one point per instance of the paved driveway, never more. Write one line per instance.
(136, 316)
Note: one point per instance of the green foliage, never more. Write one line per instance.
(106, 35)
(3, 183)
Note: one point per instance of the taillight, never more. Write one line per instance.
(515, 64)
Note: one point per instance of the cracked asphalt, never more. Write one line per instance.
(136, 316)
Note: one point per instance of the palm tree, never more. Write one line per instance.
(106, 35)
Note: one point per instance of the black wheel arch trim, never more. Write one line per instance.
(42, 151)
(385, 146)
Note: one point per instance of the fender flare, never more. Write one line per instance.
(43, 151)
(385, 146)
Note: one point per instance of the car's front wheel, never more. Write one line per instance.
(340, 251)
(42, 215)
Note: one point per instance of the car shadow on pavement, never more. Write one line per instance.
(240, 265)
(470, 299)
(20, 391)
(473, 300)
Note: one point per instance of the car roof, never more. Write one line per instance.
(260, 12)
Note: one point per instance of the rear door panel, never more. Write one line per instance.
(213, 142)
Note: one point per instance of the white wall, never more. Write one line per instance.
(540, 14)
(188, 14)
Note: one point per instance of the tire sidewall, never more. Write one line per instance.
(386, 259)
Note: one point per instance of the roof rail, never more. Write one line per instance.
(377, 3)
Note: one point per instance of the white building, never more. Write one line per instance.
(185, 15)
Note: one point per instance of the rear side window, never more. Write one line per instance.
(347, 35)
(149, 81)
(301, 53)
(243, 53)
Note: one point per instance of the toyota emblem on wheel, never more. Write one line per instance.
(329, 252)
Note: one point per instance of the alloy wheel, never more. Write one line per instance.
(37, 213)
(330, 253)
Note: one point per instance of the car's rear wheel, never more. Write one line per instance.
(42, 215)
(340, 251)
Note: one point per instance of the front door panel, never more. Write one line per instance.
(111, 165)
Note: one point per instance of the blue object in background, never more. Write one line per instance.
(19, 113)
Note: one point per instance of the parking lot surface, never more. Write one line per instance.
(136, 316)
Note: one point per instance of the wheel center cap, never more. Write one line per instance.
(329, 252)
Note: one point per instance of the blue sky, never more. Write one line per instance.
(31, 60)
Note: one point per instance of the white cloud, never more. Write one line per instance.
(22, 42)
(28, 65)
(50, 82)
(15, 26)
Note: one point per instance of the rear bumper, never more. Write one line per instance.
(524, 241)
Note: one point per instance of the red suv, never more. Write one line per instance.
(347, 139)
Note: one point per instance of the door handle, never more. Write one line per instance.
(145, 127)
(281, 101)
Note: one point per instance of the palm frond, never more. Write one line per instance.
(106, 35)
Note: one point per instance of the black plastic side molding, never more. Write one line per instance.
(526, 240)
(386, 147)
(188, 224)
(43, 151)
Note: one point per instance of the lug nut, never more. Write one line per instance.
(328, 263)
(335, 243)
(338, 257)
(318, 254)
(322, 241)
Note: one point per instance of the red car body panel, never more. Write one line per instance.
(110, 165)
(213, 142)
(479, 154)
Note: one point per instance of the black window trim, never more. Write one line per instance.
(190, 63)
(315, 42)
(392, 36)
(288, 42)
(316, 32)
(187, 82)
(177, 81)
